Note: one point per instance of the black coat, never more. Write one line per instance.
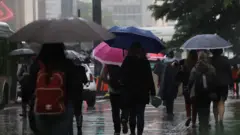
(137, 80)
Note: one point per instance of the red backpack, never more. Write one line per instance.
(49, 96)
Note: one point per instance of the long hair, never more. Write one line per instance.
(191, 59)
(53, 57)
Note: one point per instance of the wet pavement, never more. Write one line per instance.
(99, 121)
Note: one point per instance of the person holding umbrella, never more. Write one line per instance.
(138, 84)
(112, 59)
(223, 81)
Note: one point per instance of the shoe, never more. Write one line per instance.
(125, 127)
(194, 126)
(188, 122)
(133, 134)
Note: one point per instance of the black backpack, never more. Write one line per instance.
(203, 83)
(114, 76)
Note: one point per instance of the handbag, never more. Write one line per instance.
(156, 101)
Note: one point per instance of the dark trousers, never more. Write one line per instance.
(118, 116)
(79, 118)
(137, 118)
(31, 118)
(190, 106)
(169, 106)
(203, 111)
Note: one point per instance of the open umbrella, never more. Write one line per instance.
(155, 57)
(61, 30)
(206, 42)
(22, 52)
(108, 55)
(125, 36)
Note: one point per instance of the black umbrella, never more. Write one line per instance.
(22, 52)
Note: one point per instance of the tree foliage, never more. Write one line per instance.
(201, 17)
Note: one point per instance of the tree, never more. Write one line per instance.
(86, 12)
(201, 17)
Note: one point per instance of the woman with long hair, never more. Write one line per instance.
(188, 64)
(52, 59)
(138, 84)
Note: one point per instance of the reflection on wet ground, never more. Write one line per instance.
(99, 122)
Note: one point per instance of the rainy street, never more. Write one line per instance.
(99, 121)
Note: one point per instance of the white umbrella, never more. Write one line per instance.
(61, 30)
(205, 42)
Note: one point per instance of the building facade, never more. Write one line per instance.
(57, 8)
(18, 13)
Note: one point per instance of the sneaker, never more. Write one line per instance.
(187, 123)
(125, 127)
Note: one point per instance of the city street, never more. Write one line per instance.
(99, 121)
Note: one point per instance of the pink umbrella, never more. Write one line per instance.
(154, 57)
(108, 55)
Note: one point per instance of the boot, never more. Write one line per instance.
(79, 124)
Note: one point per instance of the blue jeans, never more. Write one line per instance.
(55, 124)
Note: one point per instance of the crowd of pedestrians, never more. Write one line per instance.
(204, 79)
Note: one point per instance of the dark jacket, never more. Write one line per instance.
(170, 82)
(223, 70)
(137, 79)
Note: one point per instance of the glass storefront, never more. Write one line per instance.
(7, 12)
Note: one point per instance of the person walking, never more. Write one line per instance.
(201, 84)
(23, 78)
(138, 85)
(223, 80)
(51, 77)
(190, 107)
(77, 105)
(111, 75)
(169, 70)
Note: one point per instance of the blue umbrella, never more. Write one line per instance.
(125, 36)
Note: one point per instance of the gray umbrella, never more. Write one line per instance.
(22, 52)
(206, 42)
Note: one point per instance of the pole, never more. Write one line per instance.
(97, 18)
(79, 15)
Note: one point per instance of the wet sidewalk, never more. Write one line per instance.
(99, 121)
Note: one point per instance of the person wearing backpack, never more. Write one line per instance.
(23, 78)
(201, 85)
(55, 87)
(111, 74)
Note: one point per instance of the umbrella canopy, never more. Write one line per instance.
(125, 36)
(108, 55)
(73, 55)
(61, 30)
(206, 42)
(22, 52)
(155, 57)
